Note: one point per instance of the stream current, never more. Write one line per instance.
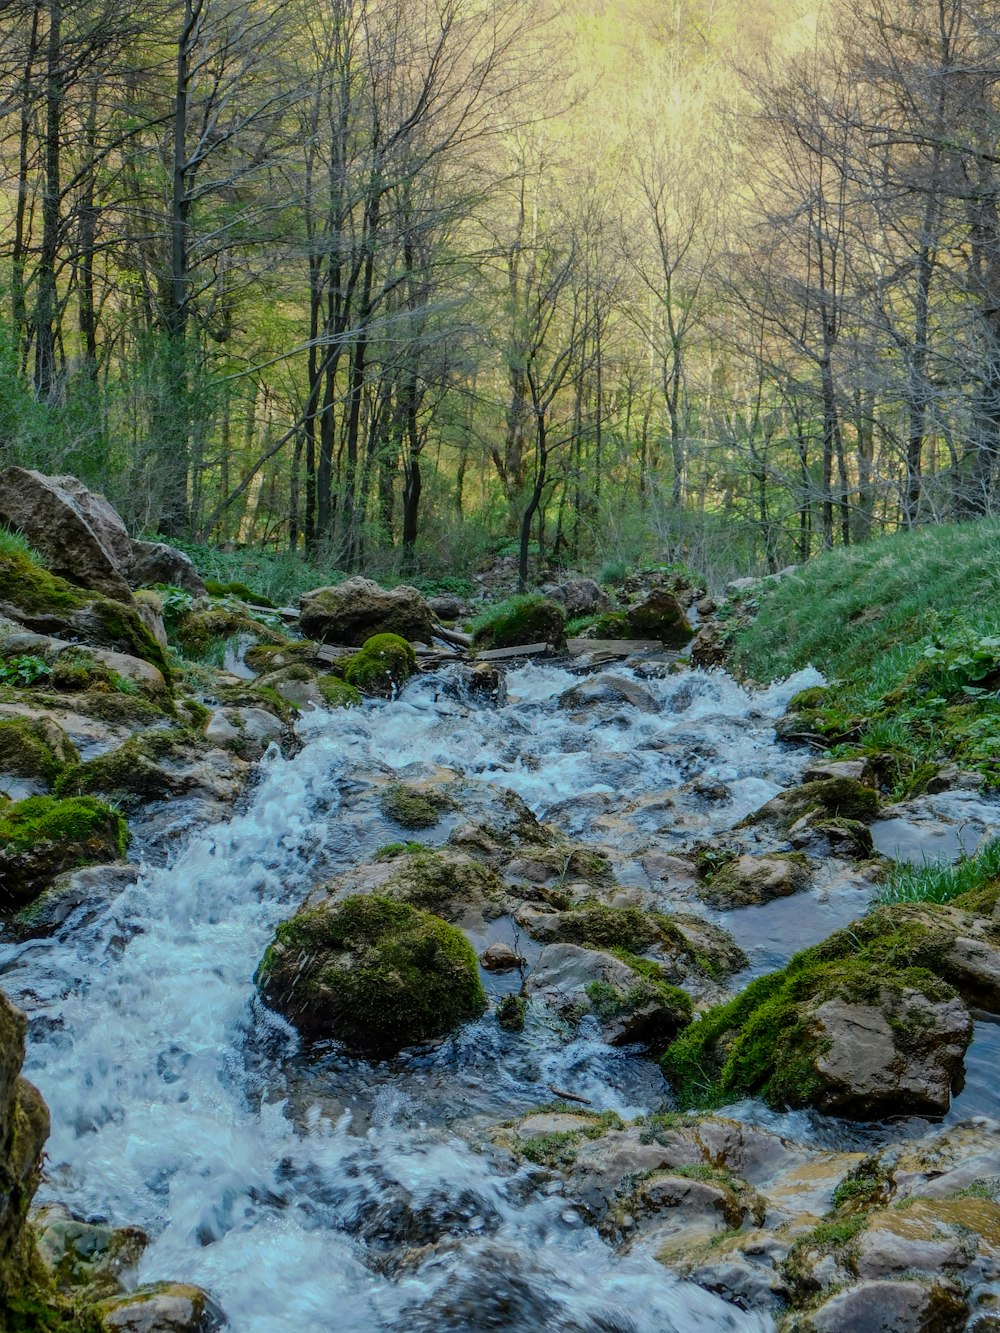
(290, 1182)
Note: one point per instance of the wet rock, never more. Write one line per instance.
(34, 747)
(154, 765)
(659, 615)
(750, 880)
(865, 1069)
(86, 1259)
(841, 797)
(156, 562)
(520, 621)
(579, 597)
(484, 680)
(899, 1307)
(631, 1006)
(26, 1125)
(856, 770)
(414, 806)
(609, 689)
(77, 532)
(675, 1212)
(445, 881)
(246, 731)
(163, 1307)
(500, 958)
(372, 972)
(710, 647)
(952, 778)
(92, 886)
(357, 609)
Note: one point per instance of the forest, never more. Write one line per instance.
(407, 285)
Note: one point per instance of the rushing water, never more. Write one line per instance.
(310, 1191)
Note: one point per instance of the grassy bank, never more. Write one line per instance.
(907, 630)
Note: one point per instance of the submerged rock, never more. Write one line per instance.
(372, 972)
(355, 610)
(91, 886)
(87, 1260)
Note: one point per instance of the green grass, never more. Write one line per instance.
(907, 630)
(13, 543)
(279, 576)
(940, 882)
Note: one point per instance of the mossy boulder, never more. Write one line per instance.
(161, 1307)
(414, 807)
(265, 657)
(858, 1026)
(155, 765)
(519, 621)
(86, 1260)
(301, 686)
(444, 881)
(41, 601)
(660, 616)
(629, 996)
(384, 664)
(748, 881)
(35, 748)
(371, 972)
(834, 798)
(42, 836)
(238, 590)
(356, 610)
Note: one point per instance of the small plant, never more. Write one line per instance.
(941, 882)
(24, 671)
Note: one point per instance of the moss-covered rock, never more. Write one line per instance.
(265, 657)
(161, 1307)
(238, 590)
(414, 807)
(35, 748)
(86, 1260)
(42, 836)
(338, 693)
(842, 798)
(660, 616)
(384, 664)
(858, 1026)
(520, 620)
(199, 630)
(747, 881)
(446, 882)
(354, 611)
(372, 972)
(40, 601)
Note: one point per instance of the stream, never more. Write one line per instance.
(312, 1191)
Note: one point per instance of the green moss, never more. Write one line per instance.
(390, 850)
(106, 623)
(612, 625)
(34, 748)
(236, 589)
(448, 887)
(373, 972)
(132, 769)
(384, 664)
(868, 1185)
(413, 808)
(762, 1042)
(198, 632)
(843, 798)
(518, 621)
(264, 657)
(337, 693)
(45, 819)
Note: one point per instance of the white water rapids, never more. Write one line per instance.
(180, 1105)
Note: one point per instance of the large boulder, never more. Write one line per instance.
(659, 615)
(372, 972)
(902, 1307)
(156, 562)
(579, 597)
(858, 1026)
(354, 611)
(80, 536)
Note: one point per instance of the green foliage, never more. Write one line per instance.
(24, 670)
(452, 585)
(15, 544)
(277, 577)
(238, 590)
(28, 749)
(520, 620)
(511, 1011)
(373, 972)
(867, 1185)
(942, 882)
(390, 850)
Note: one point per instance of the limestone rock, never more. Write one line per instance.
(91, 886)
(80, 536)
(26, 1121)
(86, 1259)
(750, 880)
(580, 597)
(892, 1307)
(357, 609)
(867, 1069)
(156, 562)
(163, 1307)
(500, 958)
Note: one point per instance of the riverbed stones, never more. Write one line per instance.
(500, 957)
(372, 972)
(607, 689)
(86, 1260)
(357, 609)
